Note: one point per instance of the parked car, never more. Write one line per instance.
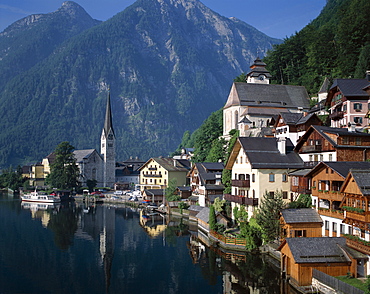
(98, 194)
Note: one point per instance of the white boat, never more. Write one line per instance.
(36, 197)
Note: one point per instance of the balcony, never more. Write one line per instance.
(152, 168)
(328, 195)
(152, 176)
(311, 148)
(358, 244)
(301, 190)
(337, 115)
(362, 217)
(331, 213)
(240, 183)
(241, 200)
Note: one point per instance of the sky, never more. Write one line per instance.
(275, 18)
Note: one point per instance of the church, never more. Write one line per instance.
(92, 164)
(253, 104)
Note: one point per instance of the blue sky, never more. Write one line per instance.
(275, 18)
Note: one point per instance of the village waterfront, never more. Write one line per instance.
(72, 248)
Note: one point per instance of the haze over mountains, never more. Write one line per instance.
(168, 64)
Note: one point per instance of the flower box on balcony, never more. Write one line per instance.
(353, 209)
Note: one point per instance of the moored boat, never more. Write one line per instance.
(37, 197)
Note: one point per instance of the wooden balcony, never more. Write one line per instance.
(311, 148)
(328, 195)
(362, 217)
(300, 190)
(336, 115)
(358, 245)
(241, 183)
(241, 200)
(331, 213)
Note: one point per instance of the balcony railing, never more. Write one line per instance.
(301, 190)
(241, 199)
(241, 183)
(152, 176)
(328, 195)
(331, 213)
(354, 243)
(336, 115)
(311, 148)
(362, 217)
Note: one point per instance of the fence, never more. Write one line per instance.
(334, 283)
(227, 240)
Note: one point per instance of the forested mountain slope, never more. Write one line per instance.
(336, 45)
(168, 64)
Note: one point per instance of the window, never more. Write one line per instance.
(299, 233)
(358, 141)
(285, 195)
(310, 157)
(357, 106)
(345, 108)
(326, 225)
(271, 177)
(357, 120)
(330, 157)
(345, 140)
(285, 177)
(272, 194)
(253, 178)
(342, 229)
(295, 181)
(334, 227)
(321, 157)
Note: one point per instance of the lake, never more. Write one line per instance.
(70, 248)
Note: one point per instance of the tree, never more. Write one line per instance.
(91, 184)
(12, 179)
(171, 191)
(64, 172)
(212, 218)
(303, 201)
(219, 204)
(268, 215)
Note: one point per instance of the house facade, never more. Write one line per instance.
(206, 181)
(348, 102)
(321, 143)
(157, 173)
(259, 166)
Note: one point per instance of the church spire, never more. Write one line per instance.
(108, 118)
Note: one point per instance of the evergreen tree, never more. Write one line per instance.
(64, 172)
(212, 219)
(268, 215)
(170, 191)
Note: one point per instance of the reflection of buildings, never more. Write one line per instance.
(40, 210)
(153, 224)
(99, 222)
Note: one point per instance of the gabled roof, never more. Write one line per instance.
(342, 168)
(277, 96)
(264, 153)
(318, 249)
(296, 118)
(351, 87)
(302, 215)
(325, 86)
(155, 192)
(80, 155)
(169, 164)
(362, 179)
(325, 131)
(208, 171)
(204, 214)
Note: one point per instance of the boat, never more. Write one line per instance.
(37, 197)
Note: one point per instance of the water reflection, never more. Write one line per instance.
(117, 249)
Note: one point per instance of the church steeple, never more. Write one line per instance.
(108, 125)
(108, 147)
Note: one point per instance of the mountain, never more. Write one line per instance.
(335, 45)
(168, 65)
(31, 39)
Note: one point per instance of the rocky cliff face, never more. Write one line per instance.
(168, 63)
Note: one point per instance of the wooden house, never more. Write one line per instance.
(299, 183)
(322, 143)
(299, 256)
(303, 222)
(154, 195)
(294, 125)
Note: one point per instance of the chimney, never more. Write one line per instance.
(351, 127)
(368, 75)
(175, 163)
(281, 144)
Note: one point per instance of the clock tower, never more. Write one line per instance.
(108, 148)
(258, 74)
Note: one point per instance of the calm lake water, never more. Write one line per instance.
(116, 249)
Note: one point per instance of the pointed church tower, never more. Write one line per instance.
(108, 148)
